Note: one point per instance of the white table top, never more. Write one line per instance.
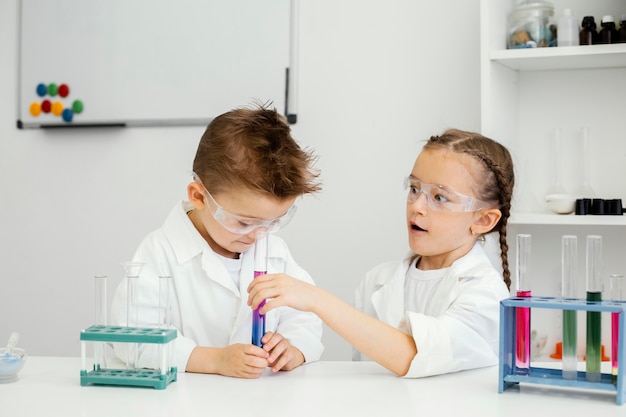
(50, 386)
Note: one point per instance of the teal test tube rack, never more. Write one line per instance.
(508, 375)
(155, 378)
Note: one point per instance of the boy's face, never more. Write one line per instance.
(239, 202)
(441, 237)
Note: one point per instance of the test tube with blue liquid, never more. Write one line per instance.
(260, 268)
(594, 318)
(618, 293)
(522, 314)
(569, 261)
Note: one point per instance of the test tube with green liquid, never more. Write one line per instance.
(522, 314)
(569, 260)
(594, 318)
(618, 293)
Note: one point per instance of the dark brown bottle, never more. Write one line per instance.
(621, 33)
(588, 33)
(608, 33)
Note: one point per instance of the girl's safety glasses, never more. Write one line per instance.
(440, 198)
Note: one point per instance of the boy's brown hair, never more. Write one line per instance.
(252, 147)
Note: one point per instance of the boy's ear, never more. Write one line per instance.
(486, 220)
(195, 194)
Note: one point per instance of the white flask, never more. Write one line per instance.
(567, 29)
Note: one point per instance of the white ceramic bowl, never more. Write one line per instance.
(561, 203)
(11, 364)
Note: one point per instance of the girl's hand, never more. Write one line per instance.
(281, 290)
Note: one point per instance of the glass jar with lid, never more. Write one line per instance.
(531, 25)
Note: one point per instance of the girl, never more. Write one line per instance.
(437, 311)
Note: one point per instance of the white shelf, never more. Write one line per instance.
(566, 219)
(564, 58)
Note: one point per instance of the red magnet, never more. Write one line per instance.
(46, 106)
(64, 90)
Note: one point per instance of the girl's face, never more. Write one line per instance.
(441, 237)
(239, 202)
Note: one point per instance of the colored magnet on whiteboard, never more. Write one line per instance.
(77, 106)
(67, 115)
(53, 89)
(41, 89)
(64, 90)
(35, 109)
(46, 106)
(57, 108)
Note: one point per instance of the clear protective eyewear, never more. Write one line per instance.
(242, 225)
(440, 198)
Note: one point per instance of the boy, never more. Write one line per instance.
(248, 173)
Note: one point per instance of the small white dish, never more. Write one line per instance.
(561, 203)
(11, 364)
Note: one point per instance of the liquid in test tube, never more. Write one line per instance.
(569, 260)
(594, 318)
(618, 293)
(522, 314)
(260, 268)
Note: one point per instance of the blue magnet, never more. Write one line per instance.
(67, 115)
(42, 90)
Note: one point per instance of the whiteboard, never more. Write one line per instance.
(152, 62)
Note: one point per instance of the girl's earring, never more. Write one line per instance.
(473, 232)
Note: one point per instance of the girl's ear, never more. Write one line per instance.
(195, 194)
(486, 220)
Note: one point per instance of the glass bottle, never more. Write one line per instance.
(608, 33)
(567, 29)
(588, 33)
(621, 33)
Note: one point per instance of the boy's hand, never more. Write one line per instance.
(282, 355)
(242, 361)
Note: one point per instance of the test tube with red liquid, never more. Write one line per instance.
(522, 314)
(260, 268)
(618, 293)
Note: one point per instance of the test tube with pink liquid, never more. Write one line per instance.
(522, 315)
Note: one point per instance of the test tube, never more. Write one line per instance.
(618, 293)
(164, 321)
(260, 268)
(132, 269)
(522, 315)
(594, 318)
(569, 260)
(100, 304)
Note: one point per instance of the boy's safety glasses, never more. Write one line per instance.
(440, 198)
(239, 224)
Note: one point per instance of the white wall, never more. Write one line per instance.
(377, 77)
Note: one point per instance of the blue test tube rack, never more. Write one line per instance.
(155, 378)
(508, 373)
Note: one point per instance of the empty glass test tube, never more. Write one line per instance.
(522, 314)
(164, 322)
(132, 269)
(594, 318)
(100, 304)
(569, 260)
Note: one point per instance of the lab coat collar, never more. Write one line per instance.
(181, 233)
(388, 295)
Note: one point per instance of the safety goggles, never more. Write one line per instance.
(243, 225)
(440, 198)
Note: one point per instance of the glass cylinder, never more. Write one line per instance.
(594, 318)
(522, 314)
(618, 293)
(164, 320)
(569, 261)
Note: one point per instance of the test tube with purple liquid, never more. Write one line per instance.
(260, 268)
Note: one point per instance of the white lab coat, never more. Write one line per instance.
(207, 308)
(458, 327)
